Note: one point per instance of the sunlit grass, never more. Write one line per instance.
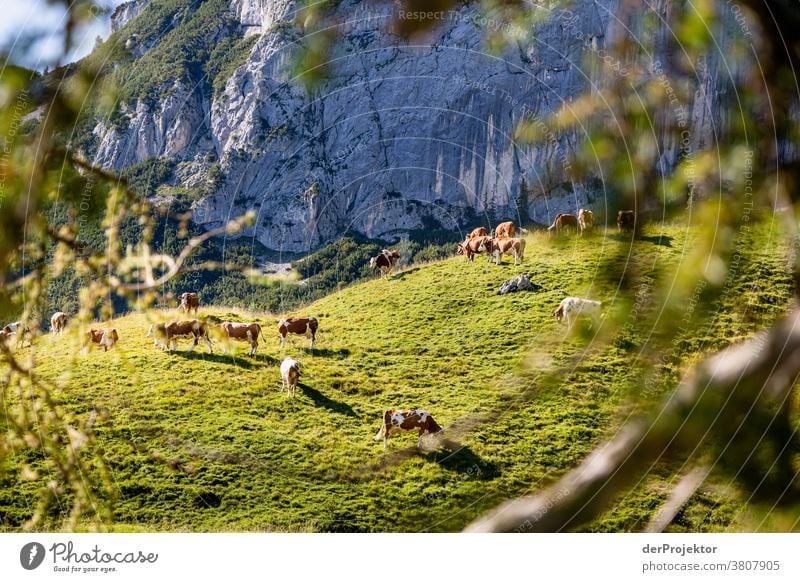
(206, 442)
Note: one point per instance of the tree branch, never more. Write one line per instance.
(729, 385)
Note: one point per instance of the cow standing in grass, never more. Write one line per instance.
(290, 375)
(472, 246)
(563, 222)
(480, 231)
(107, 338)
(19, 331)
(505, 230)
(385, 261)
(508, 246)
(58, 322)
(626, 220)
(571, 308)
(396, 421)
(306, 326)
(244, 332)
(585, 220)
(189, 302)
(165, 333)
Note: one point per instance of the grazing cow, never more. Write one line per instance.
(509, 246)
(395, 421)
(165, 333)
(626, 220)
(571, 308)
(585, 220)
(562, 222)
(505, 229)
(480, 231)
(472, 246)
(306, 326)
(290, 374)
(189, 302)
(107, 338)
(19, 331)
(245, 332)
(58, 322)
(385, 261)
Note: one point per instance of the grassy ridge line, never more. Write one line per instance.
(205, 442)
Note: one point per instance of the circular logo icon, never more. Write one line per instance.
(31, 555)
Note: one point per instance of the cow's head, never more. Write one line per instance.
(373, 262)
(150, 330)
(460, 249)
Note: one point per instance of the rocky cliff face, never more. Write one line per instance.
(404, 135)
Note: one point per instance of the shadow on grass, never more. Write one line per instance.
(319, 399)
(661, 240)
(327, 352)
(402, 274)
(243, 362)
(450, 455)
(459, 458)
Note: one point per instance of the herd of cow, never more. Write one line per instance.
(165, 335)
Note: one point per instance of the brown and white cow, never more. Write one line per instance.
(19, 331)
(107, 338)
(385, 261)
(58, 322)
(165, 333)
(480, 231)
(189, 302)
(505, 229)
(585, 220)
(290, 375)
(626, 220)
(571, 308)
(472, 246)
(508, 246)
(562, 222)
(244, 332)
(306, 326)
(396, 421)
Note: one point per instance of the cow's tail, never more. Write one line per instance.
(260, 334)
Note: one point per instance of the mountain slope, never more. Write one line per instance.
(207, 442)
(402, 136)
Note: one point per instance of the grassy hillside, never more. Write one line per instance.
(204, 442)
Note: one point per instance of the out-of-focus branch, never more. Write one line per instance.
(730, 385)
(175, 265)
(678, 498)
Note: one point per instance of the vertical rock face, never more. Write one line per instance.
(126, 12)
(403, 135)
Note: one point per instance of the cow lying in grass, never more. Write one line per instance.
(107, 338)
(243, 332)
(396, 421)
(165, 333)
(571, 308)
(290, 375)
